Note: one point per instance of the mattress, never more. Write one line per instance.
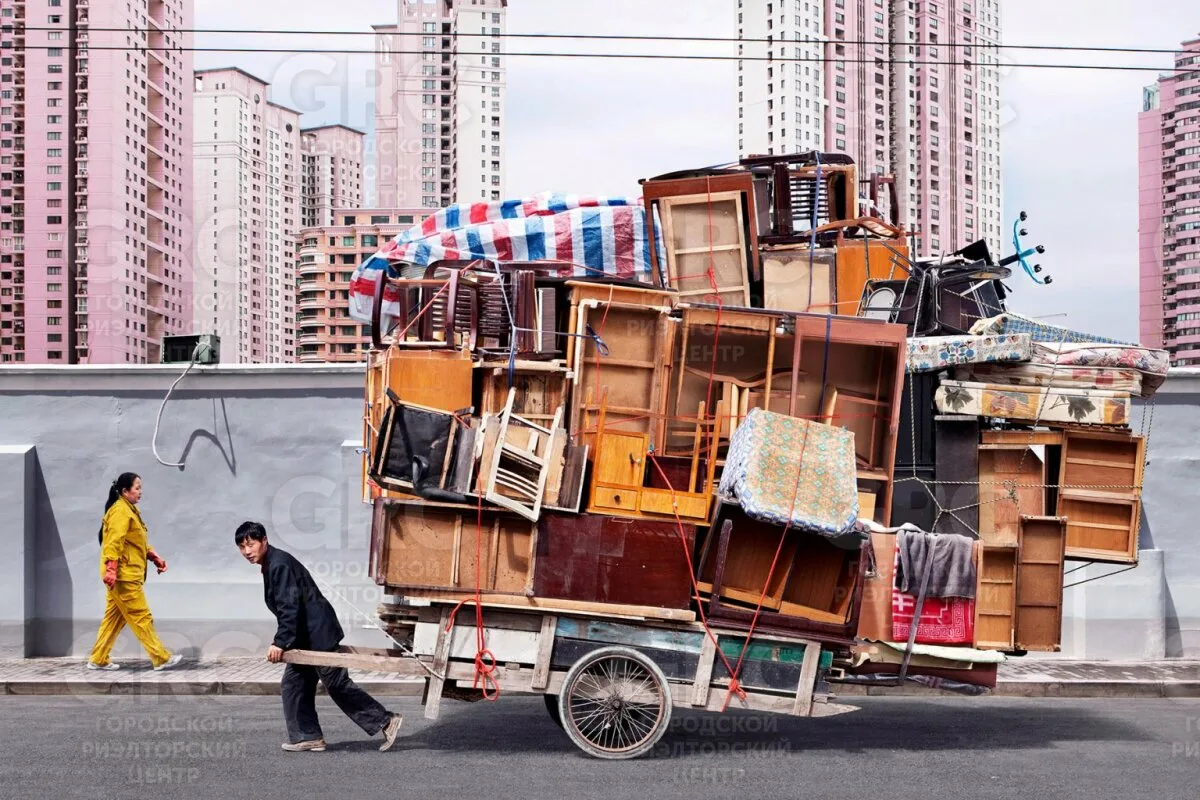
(770, 452)
(1009, 322)
(1151, 363)
(1045, 404)
(932, 353)
(1108, 378)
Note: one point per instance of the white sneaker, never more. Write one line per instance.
(170, 662)
(110, 666)
(390, 730)
(312, 746)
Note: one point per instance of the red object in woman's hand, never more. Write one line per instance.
(110, 574)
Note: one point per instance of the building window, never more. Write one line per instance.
(381, 219)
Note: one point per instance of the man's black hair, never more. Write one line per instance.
(250, 530)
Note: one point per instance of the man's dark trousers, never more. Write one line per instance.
(299, 690)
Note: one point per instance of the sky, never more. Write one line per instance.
(596, 126)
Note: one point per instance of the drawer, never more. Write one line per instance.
(659, 501)
(623, 498)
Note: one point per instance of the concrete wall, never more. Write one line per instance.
(278, 444)
(258, 443)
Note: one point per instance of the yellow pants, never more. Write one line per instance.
(127, 606)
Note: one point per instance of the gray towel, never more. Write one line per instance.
(953, 568)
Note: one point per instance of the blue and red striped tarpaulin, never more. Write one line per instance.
(594, 235)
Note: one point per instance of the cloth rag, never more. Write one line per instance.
(949, 556)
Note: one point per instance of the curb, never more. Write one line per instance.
(1029, 689)
(232, 688)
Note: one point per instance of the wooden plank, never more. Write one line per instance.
(397, 664)
(541, 667)
(808, 680)
(518, 646)
(1026, 438)
(433, 687)
(510, 679)
(602, 631)
(704, 668)
(557, 606)
(757, 701)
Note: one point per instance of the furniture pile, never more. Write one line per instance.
(739, 401)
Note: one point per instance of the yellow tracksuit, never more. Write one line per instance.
(125, 542)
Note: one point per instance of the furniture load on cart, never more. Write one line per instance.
(725, 445)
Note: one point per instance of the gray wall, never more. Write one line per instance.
(277, 444)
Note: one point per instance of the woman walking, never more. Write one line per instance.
(124, 554)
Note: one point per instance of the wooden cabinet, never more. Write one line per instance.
(1101, 478)
(1040, 583)
(996, 598)
(419, 545)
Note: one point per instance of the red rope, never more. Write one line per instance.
(767, 583)
(734, 686)
(485, 661)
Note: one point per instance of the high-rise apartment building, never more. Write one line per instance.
(908, 89)
(328, 256)
(1169, 210)
(333, 172)
(95, 179)
(439, 104)
(247, 205)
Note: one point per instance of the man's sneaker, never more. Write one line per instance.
(170, 662)
(110, 666)
(312, 745)
(390, 730)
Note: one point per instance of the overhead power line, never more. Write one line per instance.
(629, 37)
(968, 62)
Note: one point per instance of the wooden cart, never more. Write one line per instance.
(610, 681)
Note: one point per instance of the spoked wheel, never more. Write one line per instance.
(615, 703)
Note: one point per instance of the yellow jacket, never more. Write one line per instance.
(125, 541)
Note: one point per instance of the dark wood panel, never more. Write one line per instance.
(602, 559)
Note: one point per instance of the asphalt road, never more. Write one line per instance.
(893, 749)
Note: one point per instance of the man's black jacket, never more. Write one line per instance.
(306, 619)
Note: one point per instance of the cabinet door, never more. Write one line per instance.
(620, 459)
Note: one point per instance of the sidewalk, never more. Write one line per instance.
(254, 676)
(221, 676)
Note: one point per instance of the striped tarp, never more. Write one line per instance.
(594, 235)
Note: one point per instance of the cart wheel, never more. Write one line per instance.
(615, 703)
(552, 707)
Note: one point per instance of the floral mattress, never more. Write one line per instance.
(932, 353)
(770, 452)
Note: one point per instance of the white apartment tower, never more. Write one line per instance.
(781, 83)
(439, 114)
(247, 163)
(908, 88)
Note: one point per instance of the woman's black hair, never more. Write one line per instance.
(249, 530)
(123, 483)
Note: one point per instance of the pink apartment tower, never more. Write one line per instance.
(95, 179)
(908, 89)
(1169, 210)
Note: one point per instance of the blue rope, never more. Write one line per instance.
(812, 244)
